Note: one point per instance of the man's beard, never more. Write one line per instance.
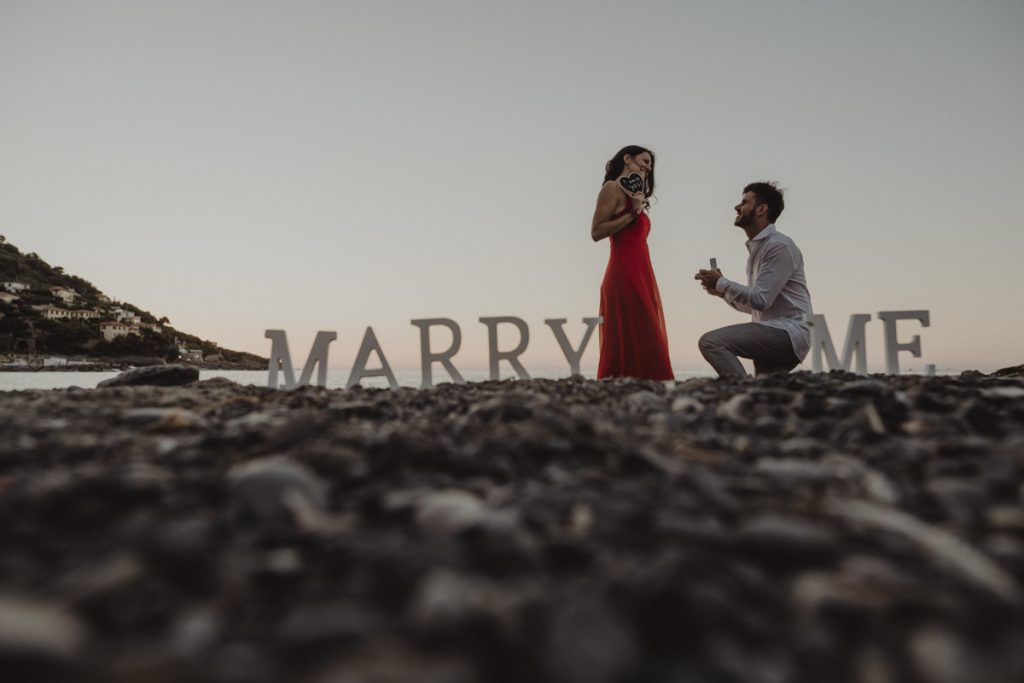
(743, 220)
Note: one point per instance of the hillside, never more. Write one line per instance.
(47, 312)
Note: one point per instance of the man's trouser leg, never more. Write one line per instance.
(769, 348)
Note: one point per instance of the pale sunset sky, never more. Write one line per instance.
(239, 166)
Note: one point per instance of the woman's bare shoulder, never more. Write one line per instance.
(610, 187)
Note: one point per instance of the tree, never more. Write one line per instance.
(147, 343)
(65, 336)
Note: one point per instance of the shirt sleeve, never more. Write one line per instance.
(777, 267)
(723, 286)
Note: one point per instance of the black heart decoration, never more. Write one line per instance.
(632, 183)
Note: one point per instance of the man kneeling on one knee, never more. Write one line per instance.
(775, 295)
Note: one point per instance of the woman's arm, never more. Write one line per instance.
(608, 204)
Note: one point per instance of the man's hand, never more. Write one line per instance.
(708, 280)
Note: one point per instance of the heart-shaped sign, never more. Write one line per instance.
(632, 183)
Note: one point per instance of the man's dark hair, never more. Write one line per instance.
(768, 193)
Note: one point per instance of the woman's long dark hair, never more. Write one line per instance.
(613, 169)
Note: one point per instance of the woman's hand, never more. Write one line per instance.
(609, 215)
(638, 201)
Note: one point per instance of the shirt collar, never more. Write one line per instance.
(768, 231)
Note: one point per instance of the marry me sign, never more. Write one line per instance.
(281, 370)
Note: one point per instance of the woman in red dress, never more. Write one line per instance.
(633, 338)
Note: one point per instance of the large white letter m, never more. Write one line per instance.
(821, 341)
(281, 357)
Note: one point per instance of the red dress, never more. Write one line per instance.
(633, 338)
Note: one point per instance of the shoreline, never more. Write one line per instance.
(114, 366)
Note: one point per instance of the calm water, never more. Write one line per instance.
(336, 379)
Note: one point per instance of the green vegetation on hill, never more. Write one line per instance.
(24, 329)
(34, 271)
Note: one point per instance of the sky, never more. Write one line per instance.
(244, 166)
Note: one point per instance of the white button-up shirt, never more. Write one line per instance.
(776, 294)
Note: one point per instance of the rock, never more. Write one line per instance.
(444, 599)
(865, 387)
(950, 551)
(195, 631)
(686, 404)
(43, 631)
(277, 492)
(396, 663)
(644, 400)
(1006, 517)
(448, 512)
(873, 666)
(939, 657)
(735, 409)
(833, 467)
(1014, 371)
(862, 583)
(446, 602)
(154, 375)
(879, 488)
(589, 643)
(333, 624)
(118, 572)
(1007, 392)
(164, 418)
(803, 446)
(787, 539)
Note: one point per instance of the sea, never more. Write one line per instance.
(336, 378)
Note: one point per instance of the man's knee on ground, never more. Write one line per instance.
(708, 342)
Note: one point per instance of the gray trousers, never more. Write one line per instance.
(769, 348)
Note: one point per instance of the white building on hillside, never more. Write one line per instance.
(123, 316)
(14, 287)
(84, 314)
(112, 330)
(65, 294)
(51, 312)
(7, 297)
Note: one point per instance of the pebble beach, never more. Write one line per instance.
(798, 528)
